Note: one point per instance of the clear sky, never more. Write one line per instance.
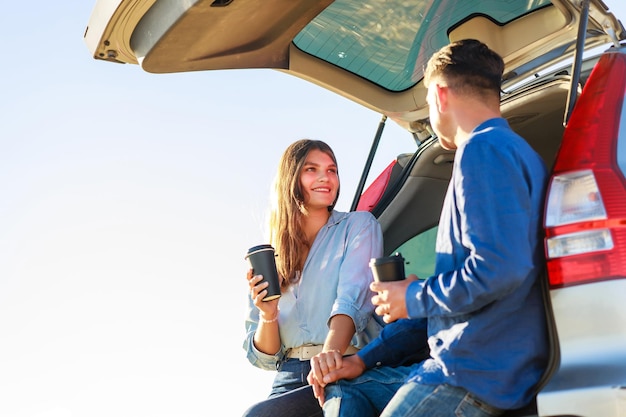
(127, 203)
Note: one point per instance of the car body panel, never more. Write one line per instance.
(607, 401)
(593, 339)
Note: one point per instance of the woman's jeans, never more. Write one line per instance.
(385, 389)
(291, 394)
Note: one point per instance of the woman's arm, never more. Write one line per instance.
(340, 333)
(266, 338)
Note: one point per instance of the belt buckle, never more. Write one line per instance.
(305, 352)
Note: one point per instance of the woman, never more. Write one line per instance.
(322, 258)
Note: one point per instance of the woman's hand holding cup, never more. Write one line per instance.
(268, 310)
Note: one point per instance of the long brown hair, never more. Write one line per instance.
(287, 211)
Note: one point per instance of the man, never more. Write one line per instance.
(483, 306)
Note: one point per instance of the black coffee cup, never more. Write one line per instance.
(263, 262)
(388, 268)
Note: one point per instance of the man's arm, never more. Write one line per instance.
(401, 342)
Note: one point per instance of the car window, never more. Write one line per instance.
(419, 253)
(390, 49)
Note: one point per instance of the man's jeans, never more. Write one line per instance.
(385, 389)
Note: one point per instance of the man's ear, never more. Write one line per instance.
(441, 97)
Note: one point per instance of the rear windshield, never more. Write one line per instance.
(389, 42)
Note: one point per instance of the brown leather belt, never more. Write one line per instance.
(306, 352)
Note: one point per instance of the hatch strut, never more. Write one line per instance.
(578, 59)
(368, 163)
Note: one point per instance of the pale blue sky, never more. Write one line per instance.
(128, 202)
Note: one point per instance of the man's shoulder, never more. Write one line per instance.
(492, 129)
(496, 132)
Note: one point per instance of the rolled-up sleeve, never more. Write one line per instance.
(256, 357)
(402, 342)
(364, 242)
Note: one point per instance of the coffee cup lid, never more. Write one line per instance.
(386, 259)
(259, 248)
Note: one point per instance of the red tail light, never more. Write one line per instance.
(586, 203)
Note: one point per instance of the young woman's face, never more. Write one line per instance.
(319, 180)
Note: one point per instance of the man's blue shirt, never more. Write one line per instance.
(483, 305)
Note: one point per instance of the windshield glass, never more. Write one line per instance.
(388, 42)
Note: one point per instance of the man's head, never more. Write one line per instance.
(462, 78)
(469, 66)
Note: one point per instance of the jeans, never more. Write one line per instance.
(383, 392)
(291, 394)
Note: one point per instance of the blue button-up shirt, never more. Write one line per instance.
(335, 280)
(483, 305)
